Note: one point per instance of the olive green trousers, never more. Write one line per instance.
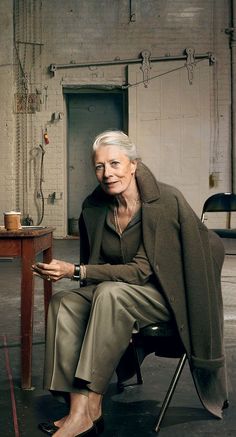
(90, 328)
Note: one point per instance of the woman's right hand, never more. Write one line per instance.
(54, 271)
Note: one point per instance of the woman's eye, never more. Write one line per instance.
(115, 163)
(98, 167)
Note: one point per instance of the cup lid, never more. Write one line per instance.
(12, 212)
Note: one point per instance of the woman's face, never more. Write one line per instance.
(114, 170)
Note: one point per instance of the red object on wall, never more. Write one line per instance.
(46, 139)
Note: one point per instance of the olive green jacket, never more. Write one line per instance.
(187, 259)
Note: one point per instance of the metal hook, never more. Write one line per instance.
(145, 67)
(190, 63)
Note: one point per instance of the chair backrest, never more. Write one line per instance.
(220, 202)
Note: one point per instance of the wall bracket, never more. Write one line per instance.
(190, 64)
(145, 67)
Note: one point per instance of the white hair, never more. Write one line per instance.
(118, 139)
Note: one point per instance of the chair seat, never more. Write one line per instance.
(160, 329)
(225, 233)
(162, 338)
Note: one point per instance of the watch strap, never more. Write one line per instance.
(76, 275)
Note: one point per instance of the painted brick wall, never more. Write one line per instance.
(86, 31)
(7, 127)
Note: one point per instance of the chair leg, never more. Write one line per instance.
(170, 391)
(139, 379)
(137, 367)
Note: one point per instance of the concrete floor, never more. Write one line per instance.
(131, 413)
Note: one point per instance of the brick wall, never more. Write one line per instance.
(7, 127)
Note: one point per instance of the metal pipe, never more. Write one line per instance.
(31, 43)
(233, 96)
(54, 67)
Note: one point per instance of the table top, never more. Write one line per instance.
(26, 232)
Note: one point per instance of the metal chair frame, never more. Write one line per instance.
(162, 339)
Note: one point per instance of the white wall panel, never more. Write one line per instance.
(171, 125)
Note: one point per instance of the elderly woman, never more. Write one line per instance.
(145, 257)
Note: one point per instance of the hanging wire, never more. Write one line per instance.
(41, 185)
(21, 117)
(21, 79)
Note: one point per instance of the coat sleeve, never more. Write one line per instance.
(203, 256)
(202, 262)
(138, 271)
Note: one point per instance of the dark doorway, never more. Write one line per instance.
(90, 112)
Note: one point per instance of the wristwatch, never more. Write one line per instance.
(76, 275)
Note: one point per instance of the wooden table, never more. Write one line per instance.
(27, 243)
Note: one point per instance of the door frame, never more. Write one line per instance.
(89, 89)
(103, 89)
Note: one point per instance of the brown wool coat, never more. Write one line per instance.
(187, 259)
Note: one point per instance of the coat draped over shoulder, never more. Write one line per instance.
(187, 259)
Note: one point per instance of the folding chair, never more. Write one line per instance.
(161, 338)
(221, 202)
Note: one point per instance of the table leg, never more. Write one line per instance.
(27, 305)
(47, 258)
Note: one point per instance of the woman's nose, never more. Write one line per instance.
(107, 171)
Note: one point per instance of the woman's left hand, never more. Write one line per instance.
(54, 271)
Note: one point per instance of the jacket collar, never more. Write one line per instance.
(147, 183)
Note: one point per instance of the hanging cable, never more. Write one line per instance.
(41, 185)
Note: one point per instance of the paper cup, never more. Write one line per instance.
(12, 220)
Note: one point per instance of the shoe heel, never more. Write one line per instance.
(99, 425)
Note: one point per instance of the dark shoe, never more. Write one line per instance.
(99, 425)
(48, 427)
(225, 404)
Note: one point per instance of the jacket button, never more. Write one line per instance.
(172, 299)
(181, 327)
